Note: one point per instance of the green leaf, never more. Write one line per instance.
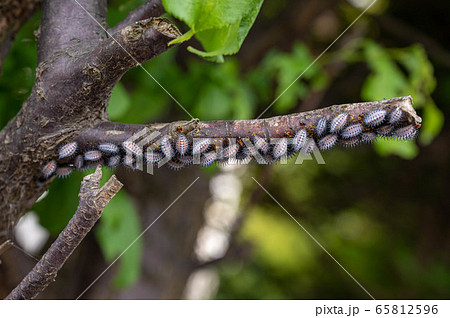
(119, 102)
(119, 227)
(405, 150)
(433, 121)
(386, 79)
(220, 26)
(56, 209)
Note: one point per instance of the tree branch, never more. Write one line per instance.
(70, 95)
(362, 122)
(93, 200)
(150, 9)
(65, 23)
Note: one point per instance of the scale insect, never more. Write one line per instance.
(68, 150)
(338, 123)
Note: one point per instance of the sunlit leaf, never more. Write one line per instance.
(220, 26)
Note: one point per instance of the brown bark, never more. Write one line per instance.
(78, 68)
(93, 200)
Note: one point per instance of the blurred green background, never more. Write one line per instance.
(381, 210)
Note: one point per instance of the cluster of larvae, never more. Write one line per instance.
(179, 150)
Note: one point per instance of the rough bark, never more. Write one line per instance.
(78, 66)
(93, 200)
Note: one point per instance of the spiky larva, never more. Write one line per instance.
(78, 162)
(182, 144)
(153, 157)
(208, 158)
(368, 137)
(48, 169)
(200, 145)
(407, 132)
(92, 155)
(108, 148)
(261, 144)
(132, 148)
(328, 142)
(166, 147)
(68, 150)
(175, 165)
(375, 118)
(350, 142)
(186, 160)
(64, 171)
(280, 148)
(395, 116)
(230, 151)
(300, 139)
(114, 161)
(351, 131)
(267, 160)
(309, 147)
(321, 126)
(338, 123)
(385, 130)
(128, 161)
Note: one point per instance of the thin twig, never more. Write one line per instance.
(93, 200)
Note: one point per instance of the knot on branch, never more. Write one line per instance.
(164, 26)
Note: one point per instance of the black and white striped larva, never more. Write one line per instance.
(114, 161)
(350, 142)
(166, 147)
(132, 148)
(395, 116)
(280, 148)
(68, 150)
(175, 165)
(309, 147)
(407, 132)
(153, 157)
(338, 123)
(186, 160)
(129, 162)
(261, 144)
(108, 148)
(49, 169)
(230, 151)
(368, 137)
(300, 139)
(266, 160)
(375, 118)
(63, 171)
(321, 126)
(182, 144)
(78, 162)
(328, 142)
(200, 145)
(351, 131)
(208, 158)
(385, 130)
(92, 155)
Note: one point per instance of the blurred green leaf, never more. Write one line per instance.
(403, 149)
(220, 26)
(119, 227)
(386, 79)
(119, 103)
(272, 234)
(56, 209)
(433, 121)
